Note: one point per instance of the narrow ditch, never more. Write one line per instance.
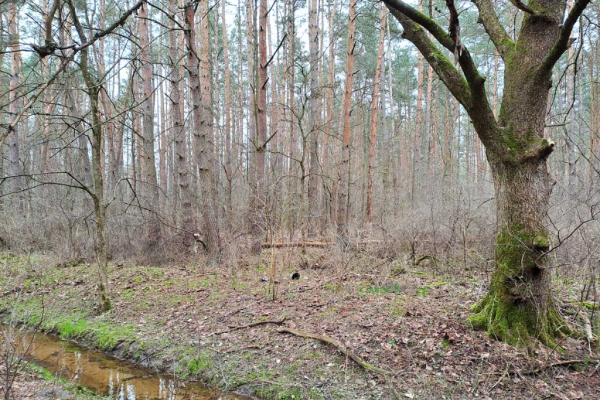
(106, 375)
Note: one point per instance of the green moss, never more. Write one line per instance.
(509, 312)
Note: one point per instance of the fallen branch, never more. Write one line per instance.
(556, 364)
(296, 244)
(279, 245)
(341, 348)
(252, 325)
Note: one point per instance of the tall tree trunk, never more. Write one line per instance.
(315, 118)
(259, 145)
(343, 188)
(329, 100)
(205, 152)
(185, 217)
(375, 114)
(227, 165)
(150, 189)
(3, 45)
(14, 97)
(254, 210)
(291, 69)
(202, 133)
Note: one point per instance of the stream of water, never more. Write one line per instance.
(109, 376)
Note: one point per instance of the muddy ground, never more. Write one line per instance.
(224, 326)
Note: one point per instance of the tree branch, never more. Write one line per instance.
(519, 4)
(562, 41)
(464, 87)
(451, 77)
(489, 19)
(405, 14)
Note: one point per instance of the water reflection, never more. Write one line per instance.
(111, 377)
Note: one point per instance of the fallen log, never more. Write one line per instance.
(340, 347)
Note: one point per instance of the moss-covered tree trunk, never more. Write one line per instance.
(519, 305)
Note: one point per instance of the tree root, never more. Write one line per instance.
(341, 348)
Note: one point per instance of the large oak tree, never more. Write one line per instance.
(519, 305)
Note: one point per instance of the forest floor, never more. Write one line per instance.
(224, 326)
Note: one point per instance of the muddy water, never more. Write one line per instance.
(111, 377)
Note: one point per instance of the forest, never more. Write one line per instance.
(302, 199)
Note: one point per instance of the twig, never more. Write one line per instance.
(341, 348)
(252, 325)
